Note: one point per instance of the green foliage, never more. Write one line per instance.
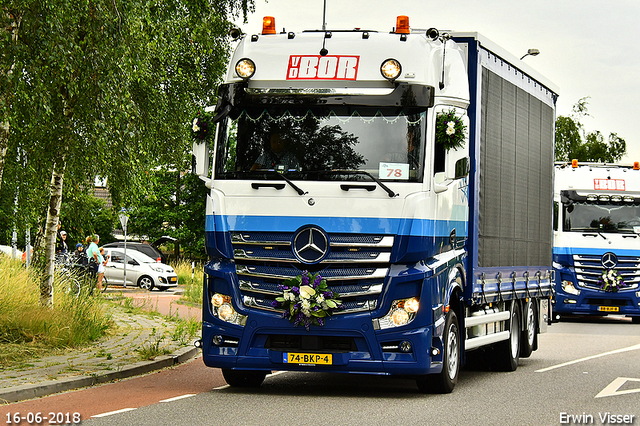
(102, 88)
(175, 207)
(573, 143)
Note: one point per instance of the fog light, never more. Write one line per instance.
(217, 340)
(245, 68)
(405, 346)
(435, 351)
(400, 317)
(570, 301)
(391, 69)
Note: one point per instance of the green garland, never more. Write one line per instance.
(450, 130)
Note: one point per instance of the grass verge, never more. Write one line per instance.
(28, 329)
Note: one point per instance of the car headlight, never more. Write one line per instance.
(222, 308)
(156, 268)
(568, 287)
(402, 312)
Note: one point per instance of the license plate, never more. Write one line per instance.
(173, 279)
(608, 308)
(298, 358)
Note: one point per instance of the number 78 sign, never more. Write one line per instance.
(395, 171)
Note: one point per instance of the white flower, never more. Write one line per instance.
(195, 125)
(289, 296)
(306, 292)
(306, 308)
(320, 299)
(450, 128)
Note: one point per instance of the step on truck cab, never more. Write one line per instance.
(380, 202)
(596, 250)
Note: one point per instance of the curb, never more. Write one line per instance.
(49, 387)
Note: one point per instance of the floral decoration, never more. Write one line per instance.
(450, 130)
(611, 281)
(201, 126)
(307, 300)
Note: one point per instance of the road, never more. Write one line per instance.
(585, 368)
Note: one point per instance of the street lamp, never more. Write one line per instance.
(531, 52)
(123, 221)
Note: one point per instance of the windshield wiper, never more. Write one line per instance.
(286, 179)
(362, 172)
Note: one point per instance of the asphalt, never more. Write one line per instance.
(116, 356)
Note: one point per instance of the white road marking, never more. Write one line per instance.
(124, 410)
(612, 388)
(617, 351)
(175, 398)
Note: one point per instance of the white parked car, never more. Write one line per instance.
(8, 250)
(142, 271)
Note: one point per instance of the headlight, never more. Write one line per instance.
(568, 287)
(156, 268)
(391, 69)
(245, 68)
(223, 309)
(402, 312)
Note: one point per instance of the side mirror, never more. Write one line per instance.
(462, 168)
(200, 152)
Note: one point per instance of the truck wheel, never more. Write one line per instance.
(635, 320)
(446, 380)
(507, 353)
(243, 378)
(529, 337)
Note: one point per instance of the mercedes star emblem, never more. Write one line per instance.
(609, 260)
(310, 245)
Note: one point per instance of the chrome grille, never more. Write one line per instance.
(355, 267)
(589, 270)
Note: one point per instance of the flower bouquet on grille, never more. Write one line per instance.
(307, 300)
(611, 281)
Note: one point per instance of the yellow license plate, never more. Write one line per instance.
(298, 358)
(608, 308)
(173, 279)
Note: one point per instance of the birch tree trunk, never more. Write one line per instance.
(53, 217)
(13, 28)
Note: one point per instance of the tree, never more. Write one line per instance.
(106, 87)
(572, 142)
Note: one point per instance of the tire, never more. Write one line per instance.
(446, 380)
(105, 284)
(145, 283)
(635, 320)
(72, 287)
(243, 378)
(529, 336)
(507, 353)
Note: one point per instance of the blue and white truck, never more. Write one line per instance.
(596, 250)
(380, 202)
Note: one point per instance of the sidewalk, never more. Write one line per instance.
(115, 357)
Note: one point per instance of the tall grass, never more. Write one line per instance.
(28, 329)
(191, 279)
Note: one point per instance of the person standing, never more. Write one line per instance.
(61, 244)
(95, 258)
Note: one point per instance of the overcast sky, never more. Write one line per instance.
(587, 47)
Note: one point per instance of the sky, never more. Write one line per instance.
(588, 48)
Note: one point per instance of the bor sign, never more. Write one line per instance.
(316, 67)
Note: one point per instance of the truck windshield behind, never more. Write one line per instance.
(601, 217)
(317, 143)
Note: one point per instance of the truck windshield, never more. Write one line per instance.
(317, 143)
(585, 217)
